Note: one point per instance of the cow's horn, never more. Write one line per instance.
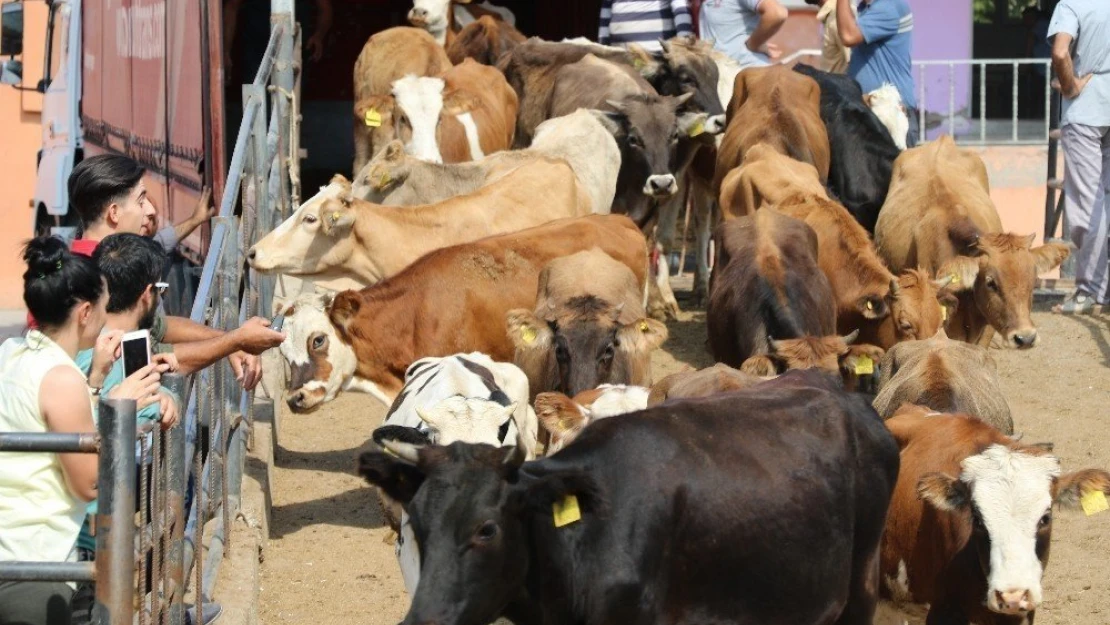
(940, 283)
(851, 337)
(895, 289)
(426, 417)
(405, 451)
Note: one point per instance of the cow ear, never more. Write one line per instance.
(527, 331)
(344, 308)
(962, 272)
(616, 123)
(400, 434)
(1072, 488)
(558, 414)
(1049, 256)
(336, 216)
(395, 151)
(760, 366)
(644, 62)
(642, 336)
(539, 488)
(943, 492)
(398, 478)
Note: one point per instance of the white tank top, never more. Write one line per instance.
(39, 517)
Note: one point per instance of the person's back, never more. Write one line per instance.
(884, 56)
(643, 22)
(1090, 55)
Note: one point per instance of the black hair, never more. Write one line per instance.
(57, 280)
(98, 181)
(130, 263)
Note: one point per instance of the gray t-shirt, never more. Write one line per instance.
(728, 24)
(1088, 22)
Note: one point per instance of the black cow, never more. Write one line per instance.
(861, 148)
(761, 506)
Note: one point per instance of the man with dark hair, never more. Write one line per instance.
(109, 194)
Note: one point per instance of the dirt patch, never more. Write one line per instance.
(328, 560)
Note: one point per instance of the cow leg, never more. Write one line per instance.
(863, 594)
(703, 211)
(661, 302)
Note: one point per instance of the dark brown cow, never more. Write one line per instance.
(781, 108)
(484, 40)
(449, 301)
(946, 376)
(970, 522)
(589, 327)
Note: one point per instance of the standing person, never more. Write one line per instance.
(643, 22)
(1080, 33)
(881, 39)
(742, 28)
(42, 496)
(169, 236)
(834, 54)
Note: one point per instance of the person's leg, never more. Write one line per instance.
(1100, 228)
(1083, 175)
(913, 137)
(34, 603)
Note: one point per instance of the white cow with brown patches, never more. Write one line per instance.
(564, 418)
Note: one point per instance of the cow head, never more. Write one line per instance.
(583, 345)
(1004, 494)
(999, 270)
(564, 418)
(388, 170)
(833, 354)
(920, 306)
(320, 362)
(467, 419)
(373, 121)
(886, 103)
(416, 118)
(316, 239)
(685, 66)
(472, 508)
(434, 16)
(646, 128)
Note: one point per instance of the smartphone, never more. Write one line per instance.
(136, 351)
(277, 322)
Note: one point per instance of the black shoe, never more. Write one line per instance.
(209, 613)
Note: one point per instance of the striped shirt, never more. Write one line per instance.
(643, 22)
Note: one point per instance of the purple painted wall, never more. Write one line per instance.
(942, 30)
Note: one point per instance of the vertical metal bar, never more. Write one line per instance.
(144, 532)
(952, 99)
(982, 102)
(115, 526)
(175, 506)
(921, 107)
(1014, 105)
(1047, 100)
(157, 527)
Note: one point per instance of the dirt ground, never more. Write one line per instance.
(328, 560)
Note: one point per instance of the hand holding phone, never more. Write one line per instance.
(136, 351)
(277, 322)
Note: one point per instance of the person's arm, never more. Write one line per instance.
(65, 405)
(204, 211)
(185, 330)
(1070, 84)
(603, 34)
(846, 25)
(315, 45)
(772, 16)
(253, 337)
(231, 20)
(683, 23)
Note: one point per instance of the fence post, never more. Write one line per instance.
(176, 468)
(115, 518)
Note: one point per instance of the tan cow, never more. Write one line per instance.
(767, 176)
(720, 378)
(939, 216)
(451, 300)
(588, 327)
(484, 40)
(464, 114)
(779, 107)
(387, 56)
(335, 235)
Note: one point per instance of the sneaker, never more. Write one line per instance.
(1079, 303)
(209, 613)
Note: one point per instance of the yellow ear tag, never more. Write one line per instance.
(1094, 502)
(865, 366)
(373, 118)
(335, 216)
(698, 129)
(638, 63)
(644, 327)
(528, 334)
(385, 180)
(955, 278)
(944, 313)
(566, 511)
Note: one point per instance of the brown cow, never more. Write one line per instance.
(438, 17)
(589, 327)
(484, 40)
(779, 107)
(466, 113)
(946, 376)
(387, 56)
(564, 418)
(939, 216)
(451, 300)
(970, 523)
(767, 176)
(720, 378)
(854, 365)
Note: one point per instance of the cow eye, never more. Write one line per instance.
(992, 284)
(318, 341)
(905, 326)
(608, 354)
(486, 532)
(1045, 521)
(310, 218)
(635, 142)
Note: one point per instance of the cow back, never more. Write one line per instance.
(393, 54)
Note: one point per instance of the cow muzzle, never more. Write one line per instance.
(1022, 339)
(715, 125)
(661, 186)
(1015, 602)
(302, 400)
(418, 17)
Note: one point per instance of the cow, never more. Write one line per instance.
(767, 176)
(582, 139)
(781, 108)
(719, 378)
(442, 19)
(465, 113)
(700, 510)
(886, 103)
(335, 235)
(861, 147)
(861, 284)
(939, 216)
(970, 521)
(564, 418)
(366, 340)
(945, 376)
(588, 327)
(484, 40)
(386, 57)
(463, 397)
(919, 307)
(765, 285)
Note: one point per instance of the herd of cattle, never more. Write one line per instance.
(509, 204)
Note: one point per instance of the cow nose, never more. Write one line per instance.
(1024, 339)
(715, 125)
(1014, 601)
(664, 185)
(296, 400)
(251, 253)
(418, 16)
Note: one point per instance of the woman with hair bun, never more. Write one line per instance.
(42, 496)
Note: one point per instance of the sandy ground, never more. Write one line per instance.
(329, 561)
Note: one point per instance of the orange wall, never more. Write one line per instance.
(20, 138)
